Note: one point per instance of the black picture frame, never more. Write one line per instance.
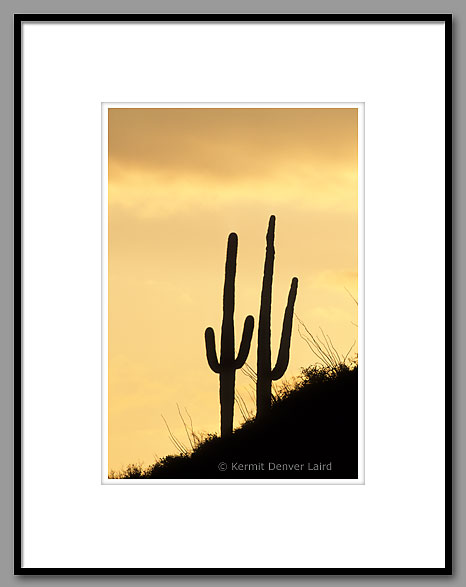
(19, 19)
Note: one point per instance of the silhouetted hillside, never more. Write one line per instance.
(311, 432)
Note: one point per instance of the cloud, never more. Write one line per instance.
(150, 194)
(229, 143)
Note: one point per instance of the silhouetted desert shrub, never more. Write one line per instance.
(315, 420)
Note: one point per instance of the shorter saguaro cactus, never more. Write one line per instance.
(227, 365)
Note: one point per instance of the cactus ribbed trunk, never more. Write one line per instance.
(265, 373)
(228, 365)
(227, 401)
(264, 354)
(227, 345)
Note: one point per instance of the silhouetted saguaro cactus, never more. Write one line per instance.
(265, 373)
(227, 365)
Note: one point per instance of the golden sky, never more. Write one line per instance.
(179, 181)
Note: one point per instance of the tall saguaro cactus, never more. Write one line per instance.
(265, 373)
(228, 365)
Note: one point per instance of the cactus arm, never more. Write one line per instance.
(245, 342)
(284, 352)
(210, 350)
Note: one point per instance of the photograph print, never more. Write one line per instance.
(231, 293)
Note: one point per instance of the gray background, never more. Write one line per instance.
(7, 9)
